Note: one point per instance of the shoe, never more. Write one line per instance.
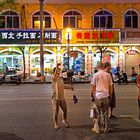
(56, 127)
(107, 131)
(112, 117)
(66, 124)
(95, 130)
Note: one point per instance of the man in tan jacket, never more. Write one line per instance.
(58, 98)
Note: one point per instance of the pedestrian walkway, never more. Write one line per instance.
(26, 114)
(122, 128)
(32, 80)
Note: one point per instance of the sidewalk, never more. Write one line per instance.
(31, 80)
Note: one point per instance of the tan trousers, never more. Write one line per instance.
(62, 104)
(102, 120)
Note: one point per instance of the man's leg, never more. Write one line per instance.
(55, 104)
(97, 124)
(139, 107)
(95, 116)
(63, 106)
(105, 114)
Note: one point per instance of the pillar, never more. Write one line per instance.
(89, 61)
(121, 57)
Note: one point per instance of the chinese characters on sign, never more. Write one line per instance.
(28, 37)
(93, 36)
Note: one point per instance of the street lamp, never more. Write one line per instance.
(68, 30)
(41, 38)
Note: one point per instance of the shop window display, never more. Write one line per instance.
(107, 57)
(12, 61)
(77, 64)
(49, 64)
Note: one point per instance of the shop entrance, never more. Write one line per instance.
(49, 62)
(132, 59)
(108, 56)
(11, 59)
(76, 61)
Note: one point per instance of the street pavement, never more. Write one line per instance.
(26, 114)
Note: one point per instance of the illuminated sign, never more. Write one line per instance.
(28, 36)
(92, 36)
(131, 52)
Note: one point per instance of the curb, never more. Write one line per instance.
(76, 82)
(32, 82)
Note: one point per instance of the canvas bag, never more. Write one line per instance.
(93, 110)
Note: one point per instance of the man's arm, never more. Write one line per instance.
(93, 90)
(110, 90)
(138, 81)
(56, 72)
(110, 86)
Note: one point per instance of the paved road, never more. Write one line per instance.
(26, 114)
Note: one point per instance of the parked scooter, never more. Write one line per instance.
(10, 77)
(122, 77)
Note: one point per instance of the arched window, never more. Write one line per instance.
(9, 19)
(103, 19)
(72, 19)
(46, 20)
(131, 19)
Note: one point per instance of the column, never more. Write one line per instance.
(121, 57)
(89, 61)
(27, 60)
(58, 55)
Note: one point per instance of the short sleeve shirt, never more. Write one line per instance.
(102, 80)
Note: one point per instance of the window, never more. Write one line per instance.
(131, 19)
(46, 20)
(9, 19)
(72, 19)
(103, 19)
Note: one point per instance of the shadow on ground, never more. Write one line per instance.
(9, 136)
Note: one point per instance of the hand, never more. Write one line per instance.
(110, 98)
(72, 88)
(92, 99)
(58, 64)
(139, 96)
(91, 94)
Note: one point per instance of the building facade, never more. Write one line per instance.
(109, 30)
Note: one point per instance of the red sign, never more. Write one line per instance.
(94, 35)
(106, 58)
(131, 52)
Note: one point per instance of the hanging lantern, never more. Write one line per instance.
(73, 54)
